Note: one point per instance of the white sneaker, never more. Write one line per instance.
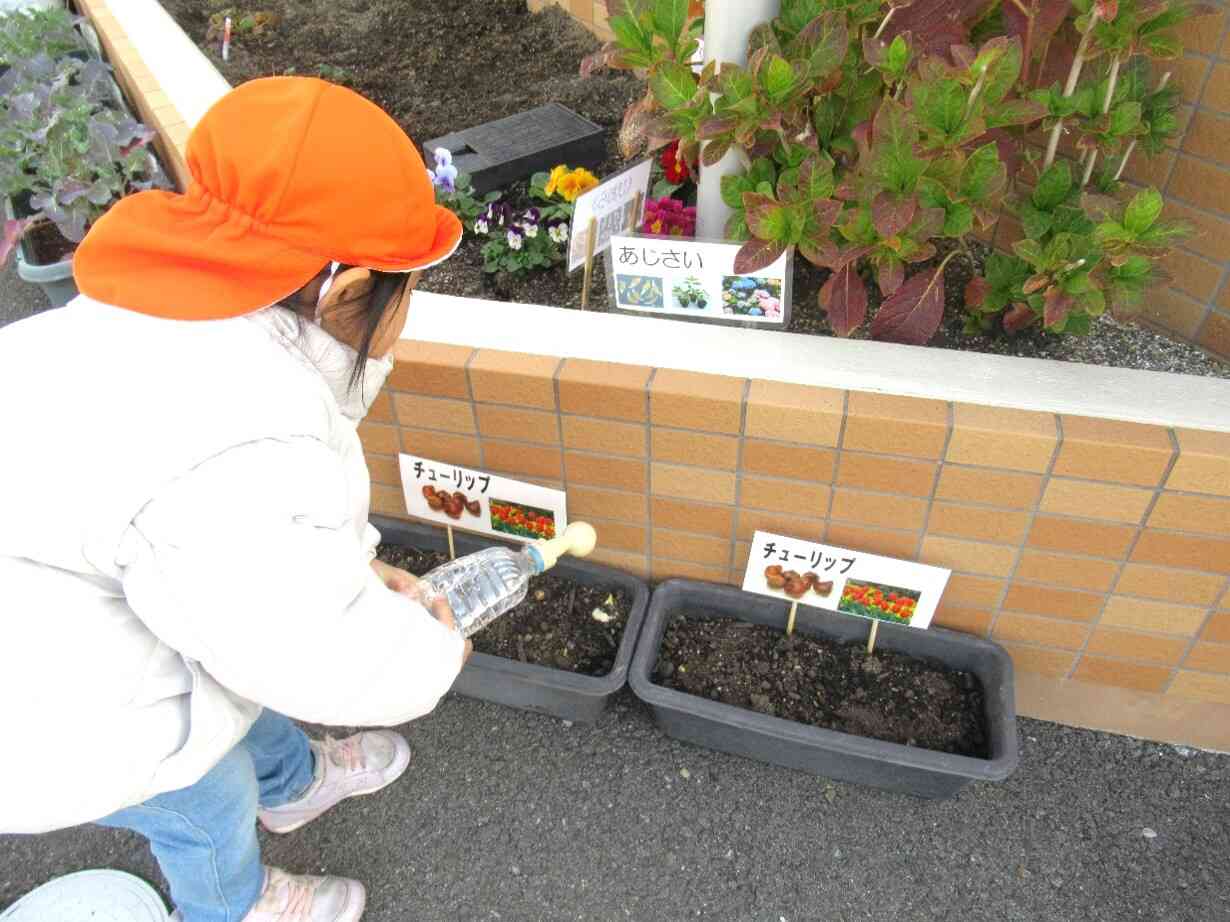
(293, 898)
(358, 765)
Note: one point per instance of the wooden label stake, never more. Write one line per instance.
(794, 607)
(636, 212)
(590, 242)
(871, 640)
(452, 553)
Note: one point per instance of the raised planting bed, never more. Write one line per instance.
(550, 654)
(716, 667)
(521, 60)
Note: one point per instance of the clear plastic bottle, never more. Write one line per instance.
(482, 586)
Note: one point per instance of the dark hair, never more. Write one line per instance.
(382, 297)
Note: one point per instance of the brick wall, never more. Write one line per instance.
(1097, 553)
(1194, 175)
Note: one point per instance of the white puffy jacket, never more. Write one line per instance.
(183, 540)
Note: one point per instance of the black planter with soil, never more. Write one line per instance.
(967, 668)
(583, 672)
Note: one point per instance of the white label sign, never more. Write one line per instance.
(462, 498)
(611, 205)
(696, 279)
(841, 580)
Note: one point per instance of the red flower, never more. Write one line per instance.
(675, 167)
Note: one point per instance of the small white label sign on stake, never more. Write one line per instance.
(458, 497)
(609, 207)
(689, 279)
(845, 581)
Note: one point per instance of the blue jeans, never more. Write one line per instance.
(204, 836)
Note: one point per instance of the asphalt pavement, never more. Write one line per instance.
(512, 816)
(17, 298)
(517, 817)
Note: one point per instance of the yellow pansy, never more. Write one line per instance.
(567, 188)
(553, 180)
(580, 181)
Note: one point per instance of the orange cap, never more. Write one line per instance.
(288, 174)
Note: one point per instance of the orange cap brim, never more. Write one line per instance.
(188, 257)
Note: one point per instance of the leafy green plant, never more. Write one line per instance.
(244, 22)
(658, 38)
(872, 132)
(331, 72)
(1082, 254)
(335, 74)
(27, 33)
(66, 151)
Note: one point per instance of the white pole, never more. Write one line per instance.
(728, 23)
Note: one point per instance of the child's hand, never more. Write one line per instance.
(395, 578)
(440, 610)
(399, 580)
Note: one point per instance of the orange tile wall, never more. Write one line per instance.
(1095, 552)
(1194, 175)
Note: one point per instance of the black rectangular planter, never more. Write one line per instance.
(567, 695)
(892, 766)
(501, 152)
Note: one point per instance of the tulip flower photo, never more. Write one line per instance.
(883, 603)
(520, 520)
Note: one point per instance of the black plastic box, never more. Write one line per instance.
(508, 149)
(891, 766)
(567, 695)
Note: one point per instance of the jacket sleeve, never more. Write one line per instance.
(371, 541)
(252, 565)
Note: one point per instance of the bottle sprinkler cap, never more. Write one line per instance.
(578, 539)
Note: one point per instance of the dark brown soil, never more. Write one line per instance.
(555, 625)
(47, 245)
(44, 244)
(885, 696)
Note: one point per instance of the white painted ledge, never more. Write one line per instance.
(188, 78)
(1158, 398)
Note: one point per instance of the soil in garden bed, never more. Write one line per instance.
(555, 625)
(441, 67)
(885, 696)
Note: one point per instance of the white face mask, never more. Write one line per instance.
(332, 359)
(354, 402)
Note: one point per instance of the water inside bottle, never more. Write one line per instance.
(482, 586)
